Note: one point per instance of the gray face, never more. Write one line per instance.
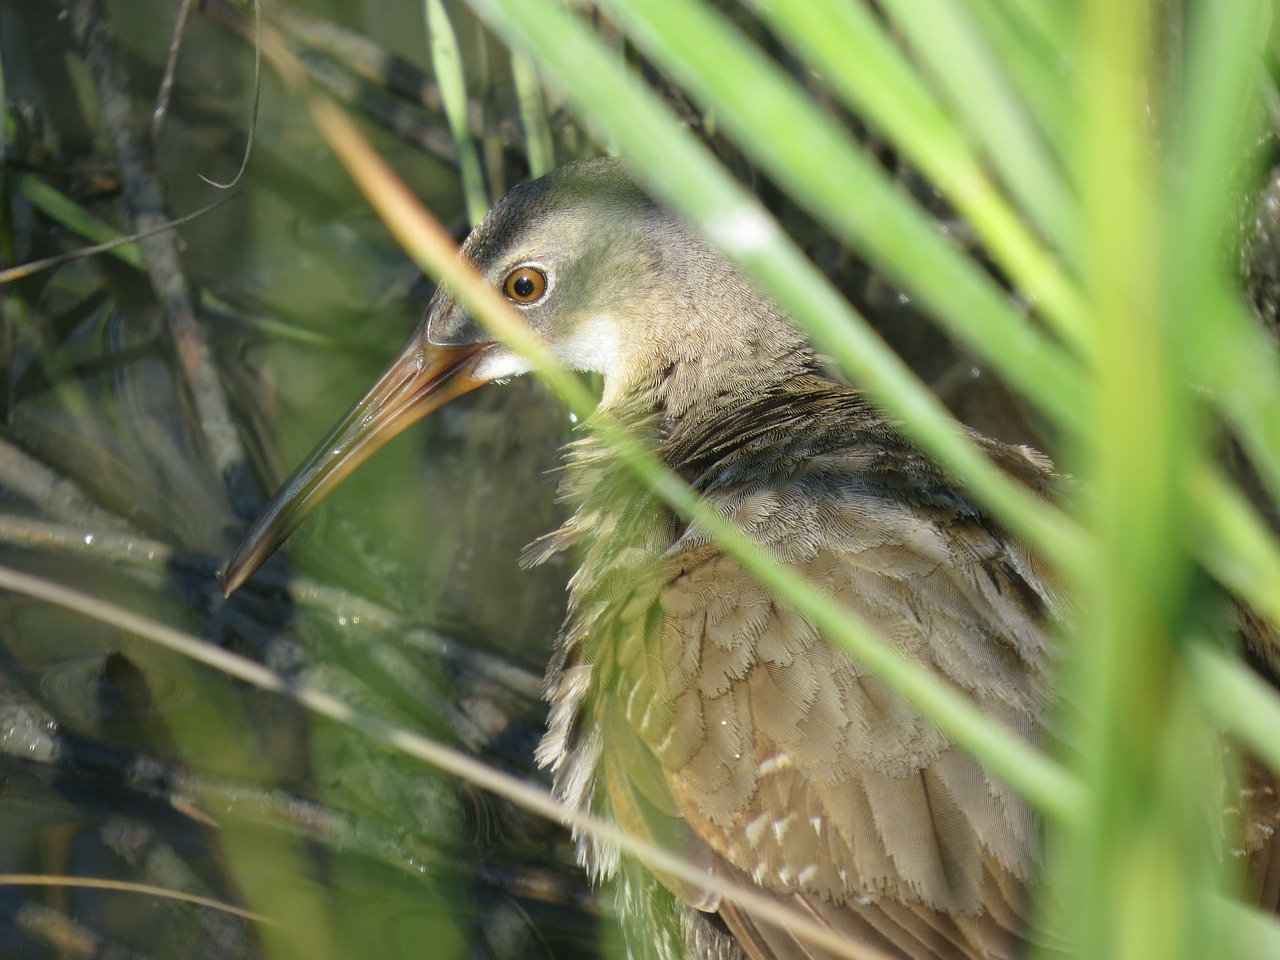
(578, 254)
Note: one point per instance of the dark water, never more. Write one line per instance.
(403, 597)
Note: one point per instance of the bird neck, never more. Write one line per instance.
(690, 383)
(701, 346)
(704, 333)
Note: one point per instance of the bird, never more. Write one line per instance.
(687, 703)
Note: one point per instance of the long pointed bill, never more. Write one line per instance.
(423, 378)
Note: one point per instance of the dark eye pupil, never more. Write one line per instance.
(523, 287)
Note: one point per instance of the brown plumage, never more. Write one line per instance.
(686, 702)
(708, 713)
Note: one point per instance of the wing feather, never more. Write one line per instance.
(720, 719)
(810, 777)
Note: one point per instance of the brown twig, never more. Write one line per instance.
(145, 201)
(24, 270)
(53, 494)
(170, 70)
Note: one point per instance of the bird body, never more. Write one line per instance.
(687, 702)
(692, 707)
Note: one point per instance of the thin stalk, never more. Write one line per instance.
(1234, 543)
(446, 61)
(533, 116)
(825, 171)
(882, 85)
(1220, 120)
(125, 886)
(1041, 70)
(953, 50)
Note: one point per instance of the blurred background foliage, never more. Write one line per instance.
(1060, 219)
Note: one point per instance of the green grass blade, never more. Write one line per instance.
(969, 76)
(71, 215)
(883, 86)
(446, 61)
(1220, 121)
(1238, 362)
(1042, 71)
(1234, 543)
(1139, 863)
(815, 160)
(1256, 935)
(683, 173)
(1243, 703)
(1047, 20)
(533, 116)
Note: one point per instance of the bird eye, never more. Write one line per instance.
(525, 285)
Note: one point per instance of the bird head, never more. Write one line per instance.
(572, 252)
(579, 254)
(613, 282)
